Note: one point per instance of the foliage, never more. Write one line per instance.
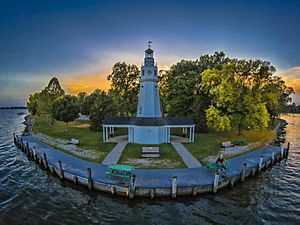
(180, 88)
(66, 109)
(41, 103)
(81, 98)
(124, 87)
(32, 103)
(102, 107)
(236, 95)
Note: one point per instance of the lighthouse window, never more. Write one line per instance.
(143, 72)
(155, 72)
(142, 86)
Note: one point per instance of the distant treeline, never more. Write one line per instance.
(13, 107)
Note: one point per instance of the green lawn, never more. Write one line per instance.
(209, 144)
(87, 139)
(168, 159)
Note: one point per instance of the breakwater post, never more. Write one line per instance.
(216, 182)
(60, 170)
(174, 187)
(45, 160)
(90, 180)
(261, 159)
(273, 157)
(243, 172)
(33, 153)
(287, 149)
(15, 140)
(281, 152)
(132, 187)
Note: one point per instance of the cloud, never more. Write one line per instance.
(291, 77)
(86, 82)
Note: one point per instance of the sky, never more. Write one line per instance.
(78, 41)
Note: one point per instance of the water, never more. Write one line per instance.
(29, 195)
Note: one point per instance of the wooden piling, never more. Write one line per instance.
(75, 179)
(174, 187)
(232, 181)
(112, 190)
(243, 172)
(33, 153)
(194, 191)
(287, 149)
(152, 193)
(27, 148)
(273, 158)
(216, 182)
(253, 172)
(51, 168)
(45, 160)
(15, 140)
(281, 152)
(260, 163)
(60, 170)
(90, 180)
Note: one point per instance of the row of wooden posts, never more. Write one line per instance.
(283, 153)
(31, 153)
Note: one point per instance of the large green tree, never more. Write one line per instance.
(234, 101)
(81, 98)
(180, 87)
(32, 103)
(124, 87)
(102, 107)
(66, 109)
(46, 98)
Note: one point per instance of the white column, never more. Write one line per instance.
(106, 134)
(169, 134)
(193, 133)
(190, 134)
(129, 134)
(103, 133)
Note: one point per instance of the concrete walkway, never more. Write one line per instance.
(189, 160)
(115, 154)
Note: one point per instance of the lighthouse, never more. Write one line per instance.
(149, 126)
(149, 101)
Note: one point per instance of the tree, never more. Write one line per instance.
(102, 107)
(81, 97)
(125, 87)
(65, 108)
(46, 98)
(233, 103)
(181, 87)
(32, 103)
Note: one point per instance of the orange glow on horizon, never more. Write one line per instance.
(86, 82)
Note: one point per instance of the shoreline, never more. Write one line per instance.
(149, 182)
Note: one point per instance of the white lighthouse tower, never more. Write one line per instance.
(149, 101)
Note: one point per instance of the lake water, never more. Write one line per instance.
(29, 195)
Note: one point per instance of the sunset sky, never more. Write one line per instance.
(78, 41)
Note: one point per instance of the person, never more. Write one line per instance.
(220, 163)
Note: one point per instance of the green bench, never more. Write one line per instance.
(122, 171)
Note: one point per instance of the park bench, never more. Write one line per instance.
(150, 152)
(227, 144)
(121, 171)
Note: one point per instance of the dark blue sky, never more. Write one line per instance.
(80, 40)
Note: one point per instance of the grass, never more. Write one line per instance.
(209, 144)
(168, 159)
(87, 139)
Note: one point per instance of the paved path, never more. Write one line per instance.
(189, 160)
(115, 154)
(158, 178)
